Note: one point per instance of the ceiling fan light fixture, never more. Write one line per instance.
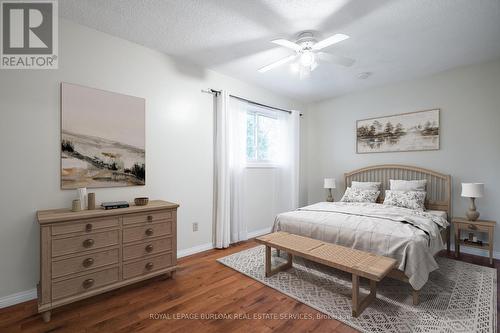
(307, 58)
(307, 54)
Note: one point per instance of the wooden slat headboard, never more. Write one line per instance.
(438, 184)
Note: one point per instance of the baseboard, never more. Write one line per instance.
(258, 233)
(194, 249)
(22, 296)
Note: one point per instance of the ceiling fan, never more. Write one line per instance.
(308, 51)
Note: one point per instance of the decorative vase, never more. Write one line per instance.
(82, 195)
(76, 205)
(91, 201)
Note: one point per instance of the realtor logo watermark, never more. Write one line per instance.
(29, 38)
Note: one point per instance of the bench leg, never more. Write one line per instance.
(416, 296)
(358, 305)
(271, 271)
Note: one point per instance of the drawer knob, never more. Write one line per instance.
(472, 227)
(149, 248)
(150, 218)
(88, 262)
(149, 266)
(88, 227)
(149, 232)
(88, 283)
(88, 243)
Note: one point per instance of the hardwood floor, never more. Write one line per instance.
(201, 286)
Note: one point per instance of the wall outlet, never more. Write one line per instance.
(195, 226)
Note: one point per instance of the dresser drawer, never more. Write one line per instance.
(84, 226)
(147, 217)
(84, 263)
(147, 231)
(147, 266)
(147, 248)
(473, 227)
(84, 283)
(83, 243)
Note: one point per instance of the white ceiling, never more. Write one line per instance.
(394, 39)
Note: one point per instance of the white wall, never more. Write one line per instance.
(179, 140)
(469, 99)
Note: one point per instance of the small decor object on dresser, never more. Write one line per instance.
(102, 138)
(76, 205)
(91, 201)
(142, 201)
(115, 205)
(94, 251)
(472, 191)
(404, 132)
(82, 196)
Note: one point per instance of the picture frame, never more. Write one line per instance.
(404, 132)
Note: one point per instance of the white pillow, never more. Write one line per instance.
(374, 186)
(355, 195)
(408, 185)
(406, 199)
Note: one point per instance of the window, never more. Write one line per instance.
(261, 137)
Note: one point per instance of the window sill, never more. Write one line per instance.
(261, 166)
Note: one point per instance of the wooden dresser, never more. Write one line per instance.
(86, 253)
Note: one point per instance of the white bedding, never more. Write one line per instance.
(411, 237)
(440, 213)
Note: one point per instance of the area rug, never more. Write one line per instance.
(459, 297)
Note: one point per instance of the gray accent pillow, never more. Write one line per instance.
(408, 185)
(374, 186)
(406, 199)
(355, 195)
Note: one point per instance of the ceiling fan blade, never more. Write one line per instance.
(337, 38)
(287, 44)
(277, 63)
(335, 59)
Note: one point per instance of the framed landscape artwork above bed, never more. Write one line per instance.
(414, 131)
(103, 138)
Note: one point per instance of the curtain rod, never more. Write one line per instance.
(217, 92)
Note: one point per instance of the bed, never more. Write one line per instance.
(412, 238)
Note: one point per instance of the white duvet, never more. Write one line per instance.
(411, 237)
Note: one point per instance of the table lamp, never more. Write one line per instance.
(472, 191)
(329, 184)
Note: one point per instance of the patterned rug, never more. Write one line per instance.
(459, 297)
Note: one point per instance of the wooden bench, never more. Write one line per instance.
(358, 263)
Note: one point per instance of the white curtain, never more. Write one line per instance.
(230, 165)
(286, 195)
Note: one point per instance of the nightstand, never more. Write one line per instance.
(460, 223)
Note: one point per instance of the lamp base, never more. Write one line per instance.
(329, 198)
(472, 214)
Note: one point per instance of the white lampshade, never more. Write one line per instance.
(329, 183)
(472, 190)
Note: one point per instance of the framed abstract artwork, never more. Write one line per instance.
(103, 138)
(414, 131)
